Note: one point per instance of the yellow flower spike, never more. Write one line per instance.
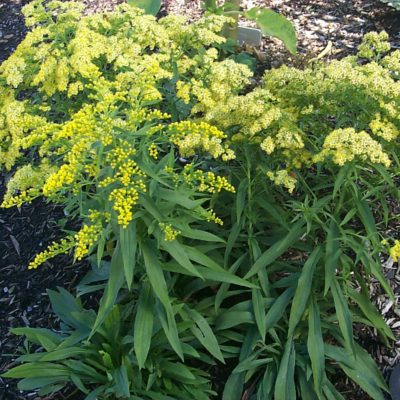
(85, 238)
(62, 247)
(153, 152)
(124, 200)
(170, 234)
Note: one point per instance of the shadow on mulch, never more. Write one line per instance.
(24, 233)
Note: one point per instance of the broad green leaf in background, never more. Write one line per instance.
(285, 388)
(122, 382)
(315, 346)
(149, 6)
(303, 290)
(143, 327)
(343, 315)
(273, 24)
(363, 301)
(128, 242)
(114, 284)
(332, 253)
(277, 249)
(259, 311)
(360, 368)
(277, 309)
(157, 280)
(205, 335)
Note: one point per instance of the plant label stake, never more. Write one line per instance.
(250, 36)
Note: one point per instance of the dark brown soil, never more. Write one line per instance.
(25, 232)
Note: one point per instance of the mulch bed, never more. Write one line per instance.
(26, 231)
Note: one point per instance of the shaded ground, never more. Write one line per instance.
(23, 299)
(25, 232)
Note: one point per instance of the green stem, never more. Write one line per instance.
(231, 30)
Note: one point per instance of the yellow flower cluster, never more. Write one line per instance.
(205, 181)
(26, 182)
(283, 178)
(62, 247)
(191, 137)
(127, 174)
(344, 145)
(385, 129)
(395, 251)
(374, 44)
(212, 217)
(124, 200)
(86, 238)
(183, 91)
(153, 152)
(170, 233)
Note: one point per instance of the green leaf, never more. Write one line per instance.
(44, 337)
(149, 6)
(38, 370)
(168, 323)
(259, 311)
(177, 251)
(360, 368)
(224, 276)
(37, 383)
(306, 386)
(177, 371)
(180, 198)
(277, 309)
(277, 249)
(303, 290)
(343, 315)
(114, 284)
(160, 289)
(367, 218)
(199, 257)
(241, 199)
(198, 234)
(376, 269)
(122, 381)
(143, 328)
(233, 387)
(332, 254)
(128, 242)
(285, 388)
(331, 393)
(315, 346)
(64, 305)
(204, 334)
(274, 24)
(230, 319)
(363, 301)
(155, 273)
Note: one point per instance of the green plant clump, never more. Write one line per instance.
(225, 222)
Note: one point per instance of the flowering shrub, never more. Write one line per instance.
(227, 222)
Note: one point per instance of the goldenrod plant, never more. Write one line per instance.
(270, 22)
(225, 222)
